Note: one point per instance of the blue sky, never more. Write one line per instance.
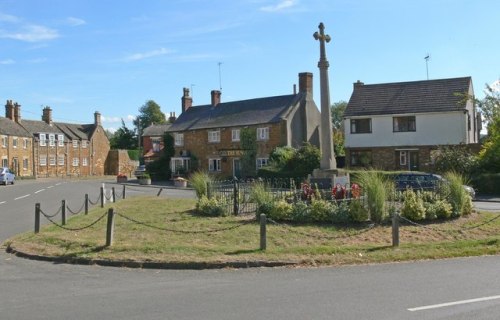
(112, 56)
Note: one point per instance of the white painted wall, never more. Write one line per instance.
(431, 129)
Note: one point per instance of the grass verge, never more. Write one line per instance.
(172, 232)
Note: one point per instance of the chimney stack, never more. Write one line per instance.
(186, 100)
(97, 118)
(306, 82)
(215, 97)
(47, 115)
(358, 84)
(172, 117)
(17, 112)
(9, 110)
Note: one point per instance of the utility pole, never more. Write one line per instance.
(427, 57)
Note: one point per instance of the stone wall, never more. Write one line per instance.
(118, 162)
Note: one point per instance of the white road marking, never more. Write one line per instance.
(3, 202)
(441, 305)
(58, 183)
(26, 195)
(50, 187)
(39, 190)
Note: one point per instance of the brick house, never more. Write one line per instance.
(210, 134)
(16, 149)
(58, 149)
(399, 126)
(152, 140)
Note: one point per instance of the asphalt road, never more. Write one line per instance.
(448, 289)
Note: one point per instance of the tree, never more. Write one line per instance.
(490, 105)
(337, 110)
(160, 169)
(248, 143)
(489, 156)
(123, 138)
(149, 113)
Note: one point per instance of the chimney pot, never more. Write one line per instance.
(358, 84)
(186, 100)
(9, 110)
(306, 82)
(97, 118)
(47, 115)
(17, 112)
(215, 97)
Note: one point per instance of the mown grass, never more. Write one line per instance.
(188, 239)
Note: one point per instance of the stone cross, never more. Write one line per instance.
(328, 161)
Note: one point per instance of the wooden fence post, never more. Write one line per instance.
(102, 197)
(113, 194)
(263, 242)
(123, 192)
(110, 227)
(395, 229)
(37, 217)
(158, 194)
(63, 212)
(86, 203)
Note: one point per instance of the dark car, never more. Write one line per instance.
(140, 171)
(423, 181)
(6, 176)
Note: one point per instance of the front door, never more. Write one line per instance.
(236, 168)
(15, 166)
(413, 163)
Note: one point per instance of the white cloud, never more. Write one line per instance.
(495, 85)
(74, 22)
(284, 4)
(8, 18)
(111, 129)
(131, 117)
(7, 61)
(110, 119)
(31, 33)
(150, 54)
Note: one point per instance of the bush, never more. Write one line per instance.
(300, 212)
(341, 214)
(487, 183)
(211, 207)
(357, 211)
(321, 210)
(440, 209)
(413, 206)
(281, 210)
(456, 194)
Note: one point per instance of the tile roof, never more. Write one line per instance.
(37, 126)
(156, 130)
(11, 128)
(76, 131)
(235, 113)
(407, 97)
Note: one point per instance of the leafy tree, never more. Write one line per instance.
(149, 113)
(160, 169)
(489, 156)
(281, 156)
(337, 110)
(456, 159)
(123, 138)
(295, 162)
(490, 105)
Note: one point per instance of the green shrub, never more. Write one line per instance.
(341, 214)
(300, 212)
(199, 181)
(358, 212)
(413, 206)
(457, 196)
(467, 205)
(281, 211)
(487, 183)
(211, 207)
(440, 209)
(321, 210)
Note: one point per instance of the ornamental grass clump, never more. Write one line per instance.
(199, 181)
(376, 188)
(262, 198)
(460, 201)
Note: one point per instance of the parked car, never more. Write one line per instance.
(140, 171)
(423, 181)
(6, 176)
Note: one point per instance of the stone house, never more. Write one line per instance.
(152, 140)
(207, 137)
(58, 149)
(400, 126)
(16, 149)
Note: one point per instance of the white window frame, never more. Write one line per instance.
(43, 160)
(263, 133)
(214, 136)
(60, 140)
(14, 142)
(76, 162)
(42, 140)
(403, 158)
(60, 160)
(52, 160)
(26, 163)
(5, 141)
(85, 162)
(261, 162)
(25, 143)
(52, 140)
(235, 135)
(85, 143)
(5, 161)
(214, 165)
(179, 139)
(75, 143)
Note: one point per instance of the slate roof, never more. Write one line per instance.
(235, 113)
(37, 126)
(11, 128)
(76, 131)
(156, 130)
(408, 97)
